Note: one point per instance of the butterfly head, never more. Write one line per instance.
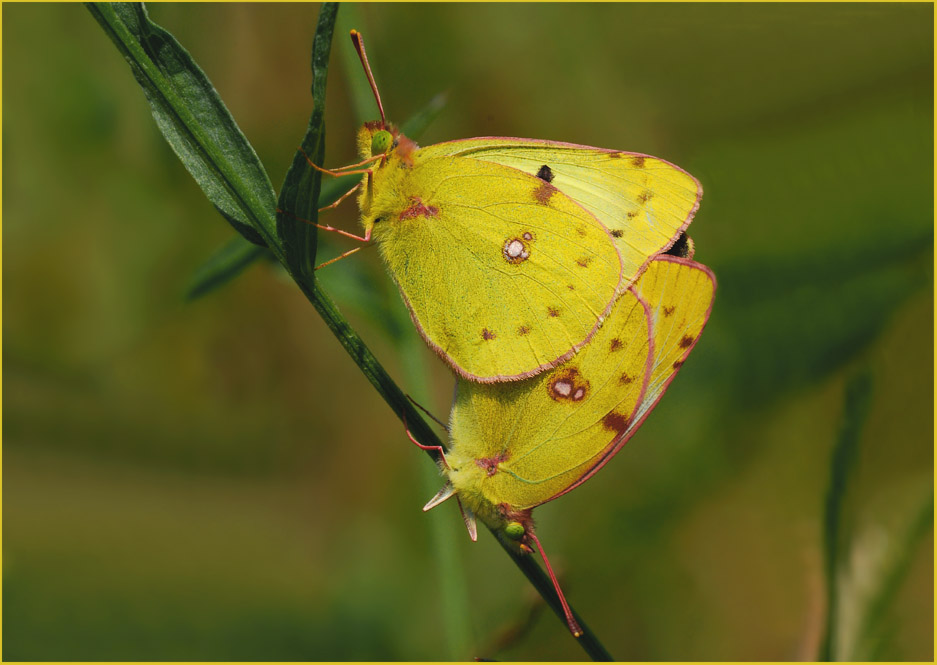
(517, 532)
(381, 142)
(374, 138)
(380, 138)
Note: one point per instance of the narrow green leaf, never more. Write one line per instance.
(223, 266)
(845, 452)
(193, 119)
(299, 195)
(893, 575)
(417, 124)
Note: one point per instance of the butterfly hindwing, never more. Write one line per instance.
(680, 295)
(541, 435)
(504, 275)
(539, 438)
(644, 201)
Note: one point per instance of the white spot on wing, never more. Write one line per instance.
(515, 250)
(563, 388)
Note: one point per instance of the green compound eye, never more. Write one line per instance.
(514, 530)
(380, 142)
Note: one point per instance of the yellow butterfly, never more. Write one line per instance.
(508, 252)
(515, 446)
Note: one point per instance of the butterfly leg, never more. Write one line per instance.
(365, 238)
(339, 257)
(439, 449)
(570, 620)
(424, 410)
(341, 198)
(324, 227)
(343, 170)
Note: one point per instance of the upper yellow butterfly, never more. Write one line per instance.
(509, 252)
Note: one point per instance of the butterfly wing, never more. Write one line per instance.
(535, 438)
(539, 439)
(503, 274)
(680, 294)
(645, 202)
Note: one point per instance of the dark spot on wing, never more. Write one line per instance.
(523, 330)
(553, 311)
(545, 173)
(581, 232)
(615, 422)
(678, 364)
(584, 261)
(624, 379)
(615, 155)
(487, 334)
(637, 161)
(616, 345)
(668, 311)
(570, 287)
(686, 342)
(645, 196)
(632, 214)
(543, 193)
(618, 233)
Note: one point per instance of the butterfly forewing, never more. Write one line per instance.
(504, 274)
(645, 202)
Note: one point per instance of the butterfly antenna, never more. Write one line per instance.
(432, 417)
(570, 620)
(358, 41)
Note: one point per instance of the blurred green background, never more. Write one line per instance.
(214, 479)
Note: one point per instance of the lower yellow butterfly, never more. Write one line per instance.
(515, 446)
